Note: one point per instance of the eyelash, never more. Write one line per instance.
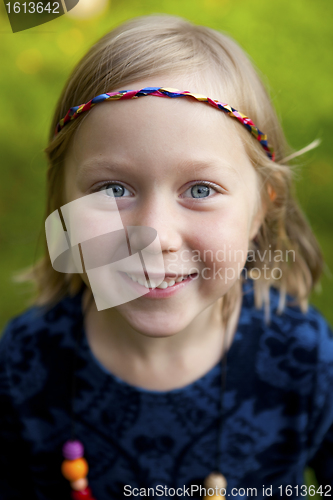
(201, 183)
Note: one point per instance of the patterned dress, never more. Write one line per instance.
(277, 411)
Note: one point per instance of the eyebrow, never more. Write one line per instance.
(186, 166)
(206, 164)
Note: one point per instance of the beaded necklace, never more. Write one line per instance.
(75, 467)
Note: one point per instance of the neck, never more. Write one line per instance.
(158, 362)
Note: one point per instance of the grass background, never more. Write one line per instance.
(290, 43)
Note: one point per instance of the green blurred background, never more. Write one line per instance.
(289, 41)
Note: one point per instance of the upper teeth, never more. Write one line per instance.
(164, 284)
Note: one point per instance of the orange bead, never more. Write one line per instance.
(74, 469)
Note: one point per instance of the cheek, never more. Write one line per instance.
(229, 227)
(222, 243)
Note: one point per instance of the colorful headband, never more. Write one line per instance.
(75, 111)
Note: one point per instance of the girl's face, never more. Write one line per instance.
(178, 166)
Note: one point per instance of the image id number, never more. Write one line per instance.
(32, 7)
(325, 491)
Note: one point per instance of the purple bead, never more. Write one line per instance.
(72, 450)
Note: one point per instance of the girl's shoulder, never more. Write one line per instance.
(289, 346)
(37, 340)
(291, 322)
(39, 320)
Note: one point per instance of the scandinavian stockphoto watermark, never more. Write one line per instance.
(24, 15)
(234, 263)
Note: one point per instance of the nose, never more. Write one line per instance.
(159, 217)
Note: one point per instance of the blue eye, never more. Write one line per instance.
(201, 190)
(114, 189)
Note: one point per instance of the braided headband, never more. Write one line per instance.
(75, 111)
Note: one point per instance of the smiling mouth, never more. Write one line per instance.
(167, 283)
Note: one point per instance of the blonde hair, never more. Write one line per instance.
(162, 44)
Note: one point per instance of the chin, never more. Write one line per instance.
(154, 329)
(160, 326)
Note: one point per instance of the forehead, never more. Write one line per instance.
(165, 128)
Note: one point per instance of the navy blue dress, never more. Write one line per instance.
(277, 412)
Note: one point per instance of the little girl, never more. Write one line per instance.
(171, 351)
